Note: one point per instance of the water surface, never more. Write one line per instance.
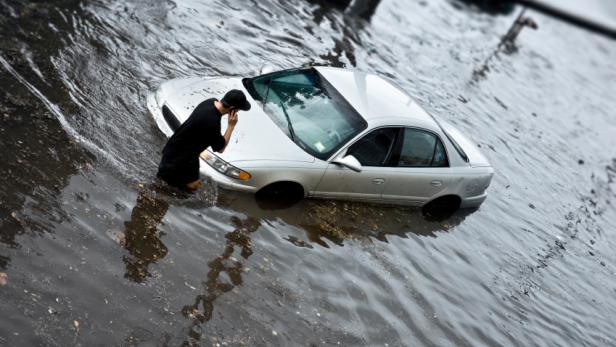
(95, 251)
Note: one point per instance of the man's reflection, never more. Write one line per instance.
(213, 287)
(142, 237)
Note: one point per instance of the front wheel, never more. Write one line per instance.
(279, 195)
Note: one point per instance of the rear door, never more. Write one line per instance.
(418, 170)
(373, 151)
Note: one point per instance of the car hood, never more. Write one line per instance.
(255, 137)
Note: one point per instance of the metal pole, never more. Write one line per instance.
(586, 23)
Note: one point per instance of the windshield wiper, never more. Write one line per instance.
(269, 83)
(291, 132)
(290, 127)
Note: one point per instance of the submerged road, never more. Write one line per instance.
(92, 251)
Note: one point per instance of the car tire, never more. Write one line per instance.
(279, 195)
(441, 208)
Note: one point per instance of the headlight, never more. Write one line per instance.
(223, 167)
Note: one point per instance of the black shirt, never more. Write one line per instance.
(180, 162)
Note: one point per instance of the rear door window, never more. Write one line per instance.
(421, 148)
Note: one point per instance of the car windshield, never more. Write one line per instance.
(308, 109)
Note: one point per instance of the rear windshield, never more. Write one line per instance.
(308, 109)
(456, 146)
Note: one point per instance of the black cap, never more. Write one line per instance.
(236, 98)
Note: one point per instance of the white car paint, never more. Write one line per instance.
(259, 147)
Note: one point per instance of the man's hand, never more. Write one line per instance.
(231, 121)
(232, 118)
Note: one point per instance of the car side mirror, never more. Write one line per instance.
(350, 162)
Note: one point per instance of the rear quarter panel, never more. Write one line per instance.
(470, 182)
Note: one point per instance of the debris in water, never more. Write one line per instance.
(3, 279)
(274, 333)
(76, 324)
(299, 243)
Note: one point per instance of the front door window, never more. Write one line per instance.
(375, 149)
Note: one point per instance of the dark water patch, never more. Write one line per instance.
(38, 159)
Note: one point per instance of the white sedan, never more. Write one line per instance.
(332, 133)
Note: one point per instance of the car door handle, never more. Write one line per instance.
(378, 181)
(436, 183)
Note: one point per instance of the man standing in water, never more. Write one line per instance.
(179, 165)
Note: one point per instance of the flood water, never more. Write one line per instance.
(93, 251)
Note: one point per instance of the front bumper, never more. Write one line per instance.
(157, 114)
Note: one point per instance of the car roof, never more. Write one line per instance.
(377, 99)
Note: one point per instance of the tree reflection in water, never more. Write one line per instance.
(336, 221)
(4, 261)
(201, 310)
(357, 14)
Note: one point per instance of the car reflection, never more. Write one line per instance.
(337, 221)
(322, 220)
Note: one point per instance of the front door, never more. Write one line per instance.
(373, 152)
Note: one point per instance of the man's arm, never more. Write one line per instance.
(227, 136)
(232, 121)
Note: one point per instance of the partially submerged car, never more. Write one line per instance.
(332, 133)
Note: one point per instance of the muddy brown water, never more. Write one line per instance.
(94, 252)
